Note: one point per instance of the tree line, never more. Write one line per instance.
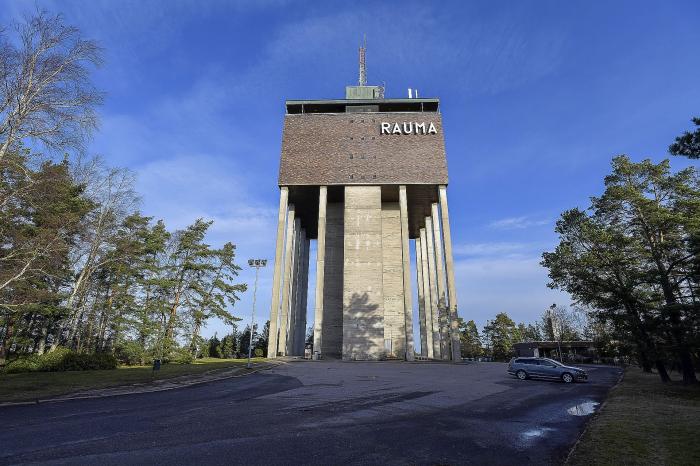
(631, 259)
(557, 324)
(236, 344)
(80, 266)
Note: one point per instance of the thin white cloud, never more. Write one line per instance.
(490, 249)
(517, 223)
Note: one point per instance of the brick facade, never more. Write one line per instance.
(348, 148)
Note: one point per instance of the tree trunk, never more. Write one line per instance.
(195, 334)
(644, 360)
(9, 331)
(661, 369)
(41, 346)
(687, 368)
(170, 329)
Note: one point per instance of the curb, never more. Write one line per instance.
(590, 421)
(269, 365)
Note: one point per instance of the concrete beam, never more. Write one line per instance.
(449, 266)
(406, 254)
(320, 269)
(277, 273)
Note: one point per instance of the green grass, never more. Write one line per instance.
(644, 422)
(40, 385)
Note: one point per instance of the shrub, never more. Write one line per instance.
(62, 359)
(258, 352)
(87, 362)
(29, 364)
(53, 361)
(180, 356)
(130, 353)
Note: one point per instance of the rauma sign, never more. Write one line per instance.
(408, 128)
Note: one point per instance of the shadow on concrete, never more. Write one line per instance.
(367, 328)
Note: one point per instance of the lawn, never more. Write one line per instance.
(32, 385)
(644, 422)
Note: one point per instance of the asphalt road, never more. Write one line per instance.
(318, 413)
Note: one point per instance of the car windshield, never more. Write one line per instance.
(552, 361)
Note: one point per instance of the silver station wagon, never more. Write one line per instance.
(525, 368)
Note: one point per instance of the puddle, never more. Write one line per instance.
(583, 409)
(535, 433)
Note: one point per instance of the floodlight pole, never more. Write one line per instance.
(256, 263)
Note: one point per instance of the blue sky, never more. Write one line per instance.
(537, 97)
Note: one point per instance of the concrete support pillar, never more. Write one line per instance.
(449, 267)
(304, 291)
(407, 295)
(294, 291)
(392, 281)
(421, 300)
(441, 291)
(363, 300)
(426, 294)
(320, 269)
(286, 282)
(332, 330)
(277, 274)
(298, 305)
(432, 276)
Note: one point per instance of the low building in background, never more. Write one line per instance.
(582, 351)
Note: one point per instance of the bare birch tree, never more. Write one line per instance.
(45, 91)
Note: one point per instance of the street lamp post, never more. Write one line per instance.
(257, 263)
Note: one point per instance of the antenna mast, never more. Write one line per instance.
(363, 66)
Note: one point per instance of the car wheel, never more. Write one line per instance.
(567, 378)
(522, 375)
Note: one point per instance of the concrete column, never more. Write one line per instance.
(304, 295)
(407, 295)
(392, 281)
(320, 269)
(449, 267)
(363, 301)
(332, 330)
(286, 282)
(441, 292)
(432, 276)
(277, 273)
(421, 300)
(427, 300)
(294, 291)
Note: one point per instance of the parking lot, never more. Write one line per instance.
(328, 412)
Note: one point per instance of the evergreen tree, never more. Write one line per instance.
(214, 347)
(470, 339)
(688, 144)
(632, 259)
(40, 215)
(500, 334)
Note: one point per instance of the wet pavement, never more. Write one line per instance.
(319, 413)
